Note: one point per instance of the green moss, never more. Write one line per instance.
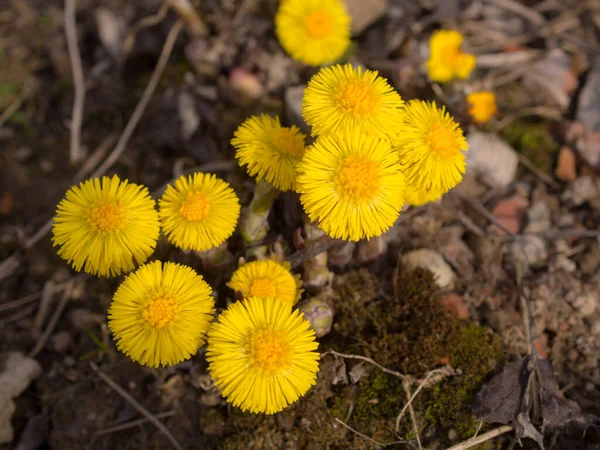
(533, 140)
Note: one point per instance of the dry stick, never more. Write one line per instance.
(144, 22)
(530, 14)
(133, 424)
(133, 402)
(483, 438)
(369, 360)
(15, 105)
(94, 159)
(309, 252)
(406, 386)
(195, 25)
(53, 321)
(141, 106)
(364, 436)
(537, 172)
(18, 315)
(481, 210)
(411, 398)
(79, 100)
(35, 296)
(542, 111)
(47, 295)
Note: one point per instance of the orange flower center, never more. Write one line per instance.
(451, 55)
(107, 216)
(318, 24)
(357, 178)
(270, 352)
(160, 310)
(442, 139)
(195, 207)
(357, 97)
(262, 287)
(288, 143)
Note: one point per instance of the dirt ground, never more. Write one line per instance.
(532, 240)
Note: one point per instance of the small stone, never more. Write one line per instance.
(341, 255)
(541, 345)
(538, 218)
(492, 159)
(511, 214)
(370, 250)
(22, 154)
(590, 261)
(452, 435)
(211, 399)
(46, 165)
(564, 263)
(455, 305)
(580, 191)
(566, 166)
(246, 85)
(528, 250)
(451, 245)
(364, 13)
(585, 303)
(61, 341)
(319, 314)
(426, 258)
(293, 108)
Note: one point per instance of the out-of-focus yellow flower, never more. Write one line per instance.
(198, 212)
(262, 355)
(446, 58)
(161, 313)
(266, 279)
(269, 150)
(483, 106)
(314, 32)
(106, 226)
(430, 146)
(342, 98)
(418, 197)
(352, 184)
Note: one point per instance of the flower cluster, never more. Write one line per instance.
(446, 58)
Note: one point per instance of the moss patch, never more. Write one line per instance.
(534, 140)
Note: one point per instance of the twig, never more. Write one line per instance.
(542, 111)
(79, 100)
(379, 444)
(215, 166)
(310, 252)
(141, 106)
(144, 22)
(537, 172)
(530, 14)
(47, 295)
(369, 360)
(35, 296)
(483, 438)
(133, 424)
(94, 159)
(409, 402)
(18, 315)
(133, 402)
(481, 210)
(195, 25)
(53, 321)
(406, 386)
(15, 105)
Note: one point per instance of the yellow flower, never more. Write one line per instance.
(446, 59)
(106, 226)
(352, 184)
(261, 355)
(431, 146)
(266, 279)
(483, 106)
(342, 98)
(314, 32)
(417, 197)
(269, 150)
(160, 314)
(198, 212)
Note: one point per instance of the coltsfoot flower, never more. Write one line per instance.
(262, 355)
(343, 98)
(418, 197)
(430, 146)
(446, 58)
(482, 106)
(106, 226)
(266, 278)
(352, 184)
(198, 212)
(160, 314)
(269, 150)
(314, 32)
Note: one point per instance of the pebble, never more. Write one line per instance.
(455, 305)
(538, 218)
(364, 13)
(580, 191)
(566, 166)
(450, 243)
(528, 251)
(586, 303)
(492, 159)
(429, 259)
(511, 213)
(61, 341)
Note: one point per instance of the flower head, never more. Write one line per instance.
(198, 212)
(261, 355)
(266, 279)
(160, 314)
(483, 106)
(106, 226)
(417, 197)
(352, 184)
(446, 58)
(340, 98)
(430, 146)
(314, 32)
(269, 150)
